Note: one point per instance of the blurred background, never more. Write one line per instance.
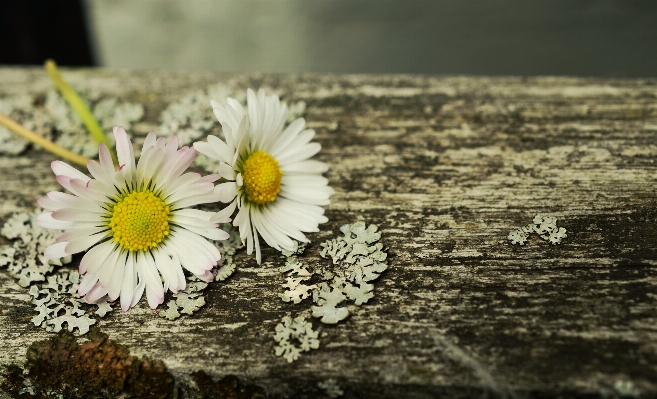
(610, 38)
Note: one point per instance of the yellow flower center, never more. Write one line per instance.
(262, 178)
(139, 221)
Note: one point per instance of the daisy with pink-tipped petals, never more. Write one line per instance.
(135, 223)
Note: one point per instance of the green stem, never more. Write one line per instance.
(42, 141)
(78, 105)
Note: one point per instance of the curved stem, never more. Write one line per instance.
(78, 105)
(42, 141)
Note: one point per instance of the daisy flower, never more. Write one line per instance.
(278, 191)
(134, 222)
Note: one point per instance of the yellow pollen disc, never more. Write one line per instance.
(139, 221)
(262, 178)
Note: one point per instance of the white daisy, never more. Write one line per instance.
(134, 222)
(278, 191)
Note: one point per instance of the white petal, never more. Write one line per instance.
(294, 143)
(256, 244)
(196, 214)
(179, 217)
(128, 283)
(223, 216)
(109, 191)
(305, 167)
(82, 244)
(56, 251)
(226, 171)
(207, 276)
(74, 215)
(191, 257)
(88, 282)
(154, 288)
(77, 234)
(87, 193)
(116, 281)
(124, 151)
(296, 154)
(63, 169)
(149, 141)
(138, 292)
(48, 204)
(107, 269)
(179, 271)
(203, 245)
(210, 178)
(46, 221)
(180, 183)
(93, 259)
(98, 172)
(311, 195)
(221, 149)
(95, 293)
(190, 191)
(226, 191)
(196, 200)
(288, 135)
(304, 181)
(288, 226)
(166, 268)
(105, 159)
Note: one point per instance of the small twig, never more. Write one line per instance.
(41, 141)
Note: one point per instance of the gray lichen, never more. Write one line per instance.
(54, 292)
(544, 226)
(295, 336)
(24, 259)
(58, 302)
(331, 388)
(356, 260)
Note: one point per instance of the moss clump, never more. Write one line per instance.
(229, 387)
(98, 368)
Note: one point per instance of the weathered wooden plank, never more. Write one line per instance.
(447, 167)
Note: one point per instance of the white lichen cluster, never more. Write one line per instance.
(58, 303)
(188, 301)
(331, 388)
(191, 299)
(54, 296)
(50, 116)
(544, 226)
(357, 259)
(24, 259)
(295, 336)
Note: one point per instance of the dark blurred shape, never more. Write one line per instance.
(32, 31)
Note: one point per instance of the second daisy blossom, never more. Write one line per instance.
(135, 222)
(275, 186)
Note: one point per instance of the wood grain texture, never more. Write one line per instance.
(446, 167)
